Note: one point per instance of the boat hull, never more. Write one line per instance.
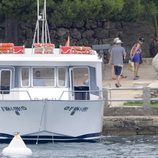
(28, 139)
(46, 121)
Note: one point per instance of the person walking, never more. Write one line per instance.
(117, 55)
(135, 55)
(112, 65)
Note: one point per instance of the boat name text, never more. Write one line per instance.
(73, 109)
(16, 109)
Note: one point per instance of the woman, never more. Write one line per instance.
(135, 55)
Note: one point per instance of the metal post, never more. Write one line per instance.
(105, 96)
(41, 34)
(146, 97)
(45, 19)
(38, 21)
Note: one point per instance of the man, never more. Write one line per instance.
(38, 81)
(118, 54)
(112, 69)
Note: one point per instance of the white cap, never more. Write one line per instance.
(118, 41)
(115, 39)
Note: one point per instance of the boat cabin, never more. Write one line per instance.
(56, 76)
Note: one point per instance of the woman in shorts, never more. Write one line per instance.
(135, 55)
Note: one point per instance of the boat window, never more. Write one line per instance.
(5, 81)
(43, 76)
(25, 77)
(80, 76)
(61, 77)
(93, 81)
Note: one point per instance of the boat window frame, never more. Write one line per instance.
(11, 76)
(39, 67)
(21, 77)
(66, 76)
(87, 67)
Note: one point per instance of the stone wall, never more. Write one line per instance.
(92, 32)
(130, 121)
(130, 111)
(130, 125)
(84, 33)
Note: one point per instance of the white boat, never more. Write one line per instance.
(50, 94)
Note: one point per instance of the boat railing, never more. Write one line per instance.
(14, 94)
(124, 96)
(83, 95)
(65, 95)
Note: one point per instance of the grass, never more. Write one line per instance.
(140, 104)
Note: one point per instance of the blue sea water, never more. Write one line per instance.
(109, 147)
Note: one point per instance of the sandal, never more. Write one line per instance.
(135, 78)
(123, 76)
(117, 85)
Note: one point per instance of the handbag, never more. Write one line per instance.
(131, 65)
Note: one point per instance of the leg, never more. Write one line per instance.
(137, 60)
(118, 80)
(136, 68)
(123, 76)
(118, 70)
(113, 72)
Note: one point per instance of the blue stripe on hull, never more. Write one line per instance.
(6, 138)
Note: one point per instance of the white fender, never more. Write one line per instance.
(17, 147)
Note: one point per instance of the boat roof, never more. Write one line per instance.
(55, 59)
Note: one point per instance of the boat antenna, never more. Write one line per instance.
(41, 34)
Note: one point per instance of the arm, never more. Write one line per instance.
(123, 53)
(124, 56)
(110, 58)
(134, 49)
(137, 47)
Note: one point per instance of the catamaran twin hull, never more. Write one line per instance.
(43, 121)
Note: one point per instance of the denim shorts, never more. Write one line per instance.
(136, 58)
(118, 70)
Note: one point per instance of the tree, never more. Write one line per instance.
(20, 15)
(132, 10)
(151, 9)
(111, 9)
(16, 12)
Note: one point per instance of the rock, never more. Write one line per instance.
(75, 34)
(101, 33)
(62, 31)
(79, 24)
(155, 64)
(88, 34)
